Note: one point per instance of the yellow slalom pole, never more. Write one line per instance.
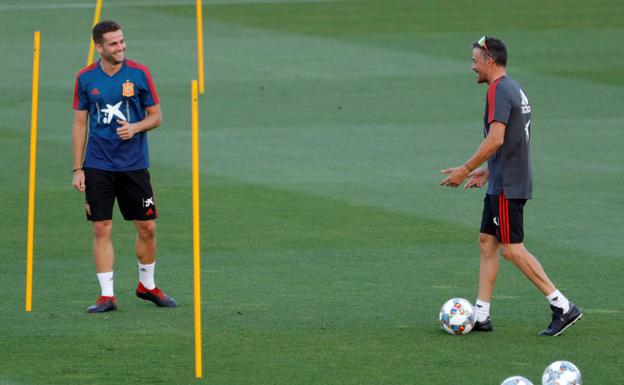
(200, 45)
(196, 265)
(96, 19)
(33, 166)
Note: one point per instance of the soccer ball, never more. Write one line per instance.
(457, 316)
(517, 380)
(562, 373)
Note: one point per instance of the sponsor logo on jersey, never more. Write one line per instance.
(111, 112)
(148, 202)
(95, 91)
(127, 89)
(526, 107)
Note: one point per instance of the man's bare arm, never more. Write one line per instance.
(152, 120)
(79, 140)
(487, 148)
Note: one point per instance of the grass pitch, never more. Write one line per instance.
(328, 245)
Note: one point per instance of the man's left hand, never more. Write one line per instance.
(126, 131)
(456, 176)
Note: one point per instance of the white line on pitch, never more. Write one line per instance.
(54, 6)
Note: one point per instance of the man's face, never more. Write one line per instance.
(113, 47)
(480, 64)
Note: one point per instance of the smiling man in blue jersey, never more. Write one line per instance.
(506, 147)
(117, 100)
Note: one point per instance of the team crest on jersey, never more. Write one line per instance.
(127, 89)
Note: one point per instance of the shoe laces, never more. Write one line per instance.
(557, 320)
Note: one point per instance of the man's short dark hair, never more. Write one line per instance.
(494, 48)
(103, 27)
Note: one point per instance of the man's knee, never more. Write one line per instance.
(102, 229)
(485, 239)
(488, 243)
(146, 229)
(511, 253)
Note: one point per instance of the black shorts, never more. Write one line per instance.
(503, 218)
(132, 189)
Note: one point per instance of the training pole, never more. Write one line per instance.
(96, 19)
(196, 264)
(32, 174)
(200, 45)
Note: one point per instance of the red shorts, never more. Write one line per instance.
(503, 218)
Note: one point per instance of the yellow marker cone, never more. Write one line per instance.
(196, 250)
(96, 19)
(32, 174)
(200, 45)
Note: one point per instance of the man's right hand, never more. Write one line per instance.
(79, 180)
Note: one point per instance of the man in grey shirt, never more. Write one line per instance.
(506, 147)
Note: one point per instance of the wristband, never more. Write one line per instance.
(76, 169)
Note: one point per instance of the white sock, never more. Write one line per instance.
(482, 310)
(146, 275)
(106, 283)
(558, 300)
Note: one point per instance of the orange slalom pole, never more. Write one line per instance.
(200, 45)
(196, 234)
(96, 19)
(32, 174)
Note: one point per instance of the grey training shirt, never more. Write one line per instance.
(510, 166)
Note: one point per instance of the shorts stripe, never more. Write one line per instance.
(507, 237)
(503, 207)
(507, 221)
(501, 217)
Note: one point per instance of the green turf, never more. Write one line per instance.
(328, 245)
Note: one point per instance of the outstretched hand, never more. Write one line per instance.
(478, 178)
(456, 175)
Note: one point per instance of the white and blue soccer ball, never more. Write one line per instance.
(516, 380)
(457, 316)
(562, 373)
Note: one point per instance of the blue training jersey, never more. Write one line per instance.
(123, 96)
